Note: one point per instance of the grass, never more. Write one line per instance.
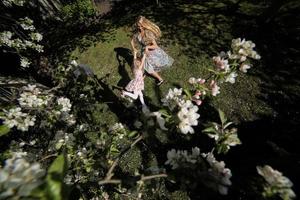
(239, 101)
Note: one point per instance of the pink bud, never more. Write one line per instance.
(198, 102)
(200, 80)
(198, 93)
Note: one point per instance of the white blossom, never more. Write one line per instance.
(280, 184)
(215, 89)
(221, 63)
(231, 77)
(62, 139)
(9, 3)
(18, 178)
(188, 117)
(36, 36)
(192, 80)
(39, 48)
(14, 117)
(32, 88)
(180, 157)
(5, 38)
(27, 24)
(64, 103)
(221, 174)
(173, 98)
(28, 43)
(244, 68)
(119, 129)
(25, 62)
(27, 99)
(243, 49)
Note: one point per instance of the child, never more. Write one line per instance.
(136, 86)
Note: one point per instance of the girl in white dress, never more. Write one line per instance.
(135, 87)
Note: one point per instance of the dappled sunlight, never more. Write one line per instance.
(81, 113)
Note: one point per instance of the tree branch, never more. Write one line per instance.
(143, 178)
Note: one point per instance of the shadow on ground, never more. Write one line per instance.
(124, 56)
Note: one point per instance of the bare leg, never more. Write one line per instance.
(145, 108)
(156, 75)
(141, 97)
(130, 94)
(135, 95)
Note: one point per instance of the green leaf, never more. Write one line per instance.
(164, 112)
(209, 130)
(211, 70)
(233, 140)
(222, 117)
(187, 92)
(132, 133)
(228, 124)
(222, 149)
(4, 130)
(55, 176)
(113, 149)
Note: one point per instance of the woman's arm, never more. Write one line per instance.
(152, 46)
(132, 45)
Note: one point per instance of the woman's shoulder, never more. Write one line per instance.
(137, 36)
(150, 34)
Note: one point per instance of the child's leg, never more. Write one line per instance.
(131, 95)
(141, 97)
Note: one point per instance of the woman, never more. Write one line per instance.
(156, 58)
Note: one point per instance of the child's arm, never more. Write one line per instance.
(142, 62)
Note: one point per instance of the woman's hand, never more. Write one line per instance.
(146, 50)
(149, 48)
(134, 54)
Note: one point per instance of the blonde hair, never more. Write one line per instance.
(148, 25)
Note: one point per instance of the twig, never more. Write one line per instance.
(109, 173)
(145, 178)
(49, 156)
(111, 181)
(54, 88)
(136, 141)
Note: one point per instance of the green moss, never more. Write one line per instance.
(101, 115)
(240, 101)
(179, 195)
(131, 161)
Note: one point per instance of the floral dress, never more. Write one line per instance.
(157, 59)
(137, 84)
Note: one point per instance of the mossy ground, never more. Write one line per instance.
(238, 100)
